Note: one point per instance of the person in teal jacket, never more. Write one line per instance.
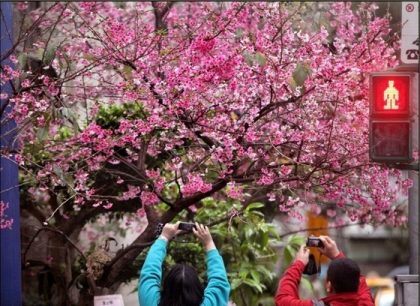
(182, 286)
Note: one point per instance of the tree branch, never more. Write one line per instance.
(318, 229)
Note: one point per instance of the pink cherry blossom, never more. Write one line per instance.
(5, 222)
(149, 198)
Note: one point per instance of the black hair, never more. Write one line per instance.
(182, 287)
(344, 274)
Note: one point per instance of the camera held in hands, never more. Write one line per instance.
(314, 242)
(312, 268)
(188, 227)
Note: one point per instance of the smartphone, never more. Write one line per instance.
(186, 226)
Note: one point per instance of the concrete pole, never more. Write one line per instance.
(413, 223)
(413, 196)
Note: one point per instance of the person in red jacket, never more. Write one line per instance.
(344, 284)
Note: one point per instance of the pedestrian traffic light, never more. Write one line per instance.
(390, 117)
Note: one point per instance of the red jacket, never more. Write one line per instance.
(288, 294)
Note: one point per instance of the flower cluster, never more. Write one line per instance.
(149, 198)
(5, 222)
(195, 184)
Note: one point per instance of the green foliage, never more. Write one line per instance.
(301, 73)
(64, 133)
(292, 246)
(252, 58)
(109, 116)
(260, 58)
(162, 32)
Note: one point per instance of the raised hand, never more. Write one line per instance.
(330, 247)
(170, 230)
(203, 233)
(303, 254)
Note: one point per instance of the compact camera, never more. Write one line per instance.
(312, 268)
(314, 242)
(188, 227)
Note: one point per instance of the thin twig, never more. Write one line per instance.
(318, 229)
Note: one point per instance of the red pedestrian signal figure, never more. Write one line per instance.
(390, 122)
(391, 96)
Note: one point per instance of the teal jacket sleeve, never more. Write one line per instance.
(151, 274)
(218, 288)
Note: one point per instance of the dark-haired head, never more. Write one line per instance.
(343, 276)
(182, 287)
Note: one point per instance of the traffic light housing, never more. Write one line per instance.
(390, 117)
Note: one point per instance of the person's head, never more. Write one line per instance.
(342, 276)
(182, 287)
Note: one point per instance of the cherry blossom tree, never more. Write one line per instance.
(124, 106)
